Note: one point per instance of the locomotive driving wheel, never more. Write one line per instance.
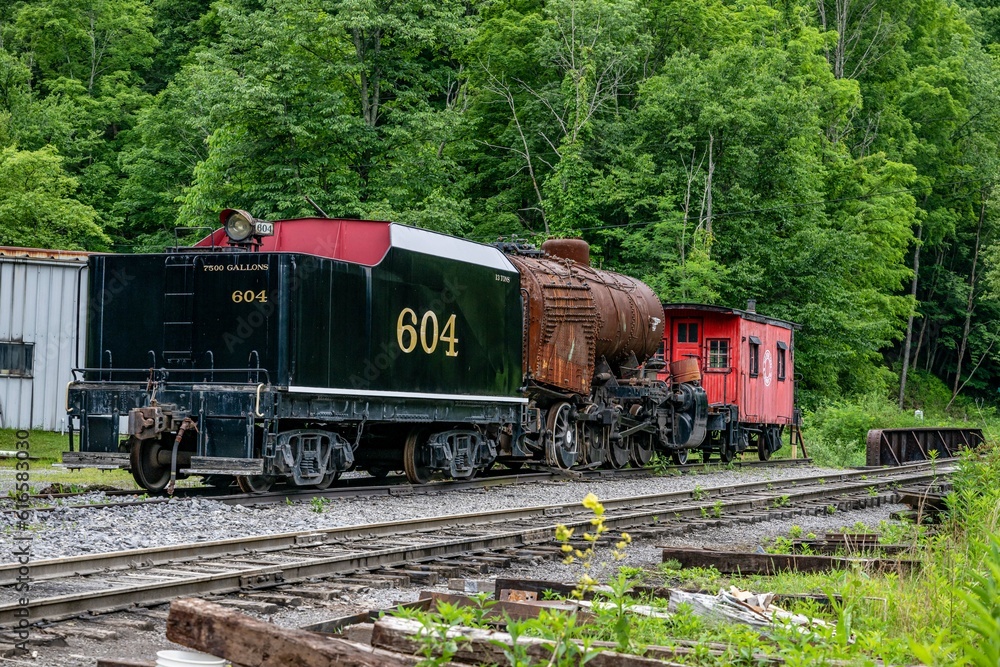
(255, 483)
(618, 452)
(144, 460)
(641, 450)
(415, 463)
(561, 447)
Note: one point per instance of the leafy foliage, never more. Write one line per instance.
(835, 161)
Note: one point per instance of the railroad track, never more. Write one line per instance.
(370, 486)
(68, 587)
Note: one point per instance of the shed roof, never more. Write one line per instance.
(74, 256)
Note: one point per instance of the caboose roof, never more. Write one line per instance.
(366, 242)
(745, 314)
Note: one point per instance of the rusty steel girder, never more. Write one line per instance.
(576, 314)
(896, 446)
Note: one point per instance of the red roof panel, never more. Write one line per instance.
(357, 241)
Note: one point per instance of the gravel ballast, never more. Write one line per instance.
(72, 531)
(646, 554)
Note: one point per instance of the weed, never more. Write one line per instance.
(831, 509)
(717, 509)
(318, 504)
(698, 492)
(795, 532)
(780, 545)
(872, 491)
(781, 501)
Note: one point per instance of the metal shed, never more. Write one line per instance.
(42, 314)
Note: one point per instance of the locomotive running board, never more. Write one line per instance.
(101, 460)
(220, 465)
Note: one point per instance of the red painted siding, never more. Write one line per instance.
(762, 398)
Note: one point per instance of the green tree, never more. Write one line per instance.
(37, 207)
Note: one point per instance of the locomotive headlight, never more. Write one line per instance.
(239, 225)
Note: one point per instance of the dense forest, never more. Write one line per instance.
(836, 160)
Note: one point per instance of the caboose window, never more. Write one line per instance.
(754, 356)
(687, 332)
(781, 360)
(16, 359)
(718, 353)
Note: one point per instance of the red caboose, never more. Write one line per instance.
(746, 362)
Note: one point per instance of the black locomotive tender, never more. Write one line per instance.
(297, 350)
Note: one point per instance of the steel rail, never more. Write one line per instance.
(230, 565)
(364, 487)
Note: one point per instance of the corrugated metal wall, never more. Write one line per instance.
(40, 304)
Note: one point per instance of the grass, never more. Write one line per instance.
(47, 447)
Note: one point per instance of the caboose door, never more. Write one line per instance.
(687, 334)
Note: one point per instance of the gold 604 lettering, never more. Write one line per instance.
(428, 334)
(249, 296)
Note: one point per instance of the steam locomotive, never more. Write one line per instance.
(299, 349)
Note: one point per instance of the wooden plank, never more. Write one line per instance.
(514, 610)
(213, 629)
(729, 562)
(476, 646)
(533, 585)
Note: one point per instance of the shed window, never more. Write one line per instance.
(687, 332)
(718, 353)
(781, 360)
(16, 359)
(754, 356)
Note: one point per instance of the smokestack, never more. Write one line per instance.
(577, 250)
(751, 305)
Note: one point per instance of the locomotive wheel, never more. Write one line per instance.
(641, 450)
(414, 458)
(327, 481)
(561, 448)
(255, 483)
(726, 453)
(378, 472)
(597, 452)
(680, 456)
(618, 453)
(147, 471)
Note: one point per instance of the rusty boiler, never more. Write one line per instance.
(576, 314)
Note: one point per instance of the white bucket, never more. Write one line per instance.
(187, 659)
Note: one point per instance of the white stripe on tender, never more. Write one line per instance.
(404, 394)
(442, 245)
